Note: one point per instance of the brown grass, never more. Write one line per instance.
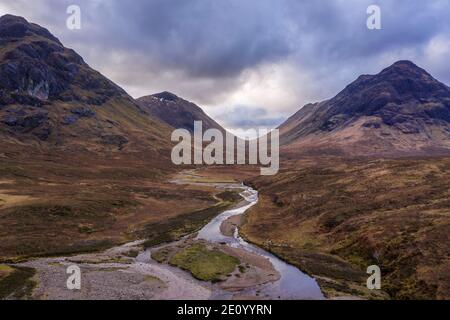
(56, 205)
(393, 213)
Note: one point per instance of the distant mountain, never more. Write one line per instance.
(401, 110)
(50, 97)
(176, 111)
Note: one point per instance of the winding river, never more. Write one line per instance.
(293, 284)
(107, 277)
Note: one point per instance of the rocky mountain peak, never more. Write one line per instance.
(36, 68)
(166, 95)
(13, 27)
(405, 64)
(400, 88)
(403, 79)
(176, 112)
(48, 91)
(401, 103)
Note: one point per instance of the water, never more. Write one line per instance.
(293, 283)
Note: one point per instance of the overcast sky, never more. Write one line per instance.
(248, 63)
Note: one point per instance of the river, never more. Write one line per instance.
(293, 284)
(113, 274)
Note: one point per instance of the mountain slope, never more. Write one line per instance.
(82, 166)
(401, 110)
(177, 112)
(50, 97)
(335, 217)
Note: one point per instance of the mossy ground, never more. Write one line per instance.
(16, 282)
(204, 263)
(175, 228)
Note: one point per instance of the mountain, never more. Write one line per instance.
(401, 110)
(50, 97)
(176, 111)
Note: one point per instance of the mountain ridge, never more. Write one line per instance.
(50, 97)
(400, 110)
(48, 94)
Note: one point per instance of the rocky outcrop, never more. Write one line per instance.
(36, 67)
(77, 113)
(12, 27)
(25, 123)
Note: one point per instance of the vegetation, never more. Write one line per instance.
(229, 196)
(16, 282)
(177, 227)
(203, 263)
(334, 217)
(161, 255)
(87, 203)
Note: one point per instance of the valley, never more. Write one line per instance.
(222, 267)
(87, 178)
(329, 217)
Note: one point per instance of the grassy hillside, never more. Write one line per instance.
(52, 205)
(333, 218)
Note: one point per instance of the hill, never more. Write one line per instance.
(402, 110)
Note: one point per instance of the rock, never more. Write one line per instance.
(12, 27)
(44, 133)
(27, 122)
(41, 67)
(32, 78)
(438, 111)
(34, 121)
(68, 120)
(333, 122)
(27, 100)
(116, 140)
(17, 27)
(77, 113)
(168, 96)
(10, 120)
(372, 125)
(408, 128)
(83, 112)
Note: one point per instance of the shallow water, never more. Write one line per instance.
(293, 283)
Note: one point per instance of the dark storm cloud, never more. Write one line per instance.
(204, 38)
(210, 38)
(210, 50)
(337, 30)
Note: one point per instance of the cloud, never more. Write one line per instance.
(248, 117)
(274, 54)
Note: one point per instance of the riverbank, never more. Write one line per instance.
(121, 273)
(105, 268)
(249, 270)
(157, 268)
(129, 272)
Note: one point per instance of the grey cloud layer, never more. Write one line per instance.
(205, 49)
